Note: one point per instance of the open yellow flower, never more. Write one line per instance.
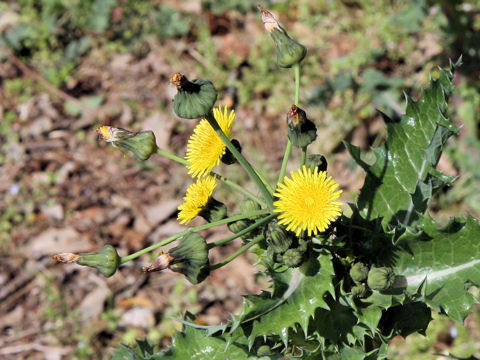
(196, 199)
(307, 201)
(205, 148)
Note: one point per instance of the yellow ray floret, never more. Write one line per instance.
(205, 148)
(307, 201)
(196, 198)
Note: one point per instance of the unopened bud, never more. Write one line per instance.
(277, 237)
(301, 131)
(359, 272)
(194, 99)
(289, 52)
(381, 278)
(106, 260)
(141, 144)
(293, 258)
(359, 291)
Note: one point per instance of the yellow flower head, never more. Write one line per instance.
(205, 148)
(197, 197)
(307, 201)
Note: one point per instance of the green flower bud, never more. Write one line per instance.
(190, 258)
(277, 237)
(359, 272)
(194, 99)
(248, 205)
(214, 211)
(301, 131)
(289, 52)
(359, 291)
(293, 258)
(106, 260)
(238, 226)
(381, 278)
(141, 144)
(228, 158)
(264, 350)
(315, 160)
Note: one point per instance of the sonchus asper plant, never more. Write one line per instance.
(342, 286)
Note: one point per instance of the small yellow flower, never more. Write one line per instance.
(307, 201)
(205, 148)
(196, 199)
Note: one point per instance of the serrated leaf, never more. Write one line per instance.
(439, 264)
(297, 294)
(406, 319)
(194, 344)
(400, 182)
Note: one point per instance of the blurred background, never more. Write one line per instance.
(69, 66)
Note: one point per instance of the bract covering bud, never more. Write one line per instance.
(194, 99)
(228, 158)
(141, 144)
(190, 258)
(381, 278)
(106, 260)
(359, 272)
(214, 210)
(238, 226)
(289, 52)
(301, 131)
(277, 237)
(293, 258)
(316, 160)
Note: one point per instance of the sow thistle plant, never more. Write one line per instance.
(341, 286)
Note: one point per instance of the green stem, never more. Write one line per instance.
(243, 232)
(172, 156)
(304, 155)
(245, 164)
(288, 148)
(219, 177)
(236, 254)
(139, 253)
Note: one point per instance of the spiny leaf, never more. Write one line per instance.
(400, 182)
(440, 264)
(297, 294)
(194, 344)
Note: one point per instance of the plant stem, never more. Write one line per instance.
(172, 156)
(245, 164)
(236, 254)
(219, 177)
(172, 238)
(288, 148)
(304, 155)
(243, 232)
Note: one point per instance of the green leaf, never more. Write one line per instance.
(406, 319)
(440, 264)
(297, 294)
(400, 182)
(195, 344)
